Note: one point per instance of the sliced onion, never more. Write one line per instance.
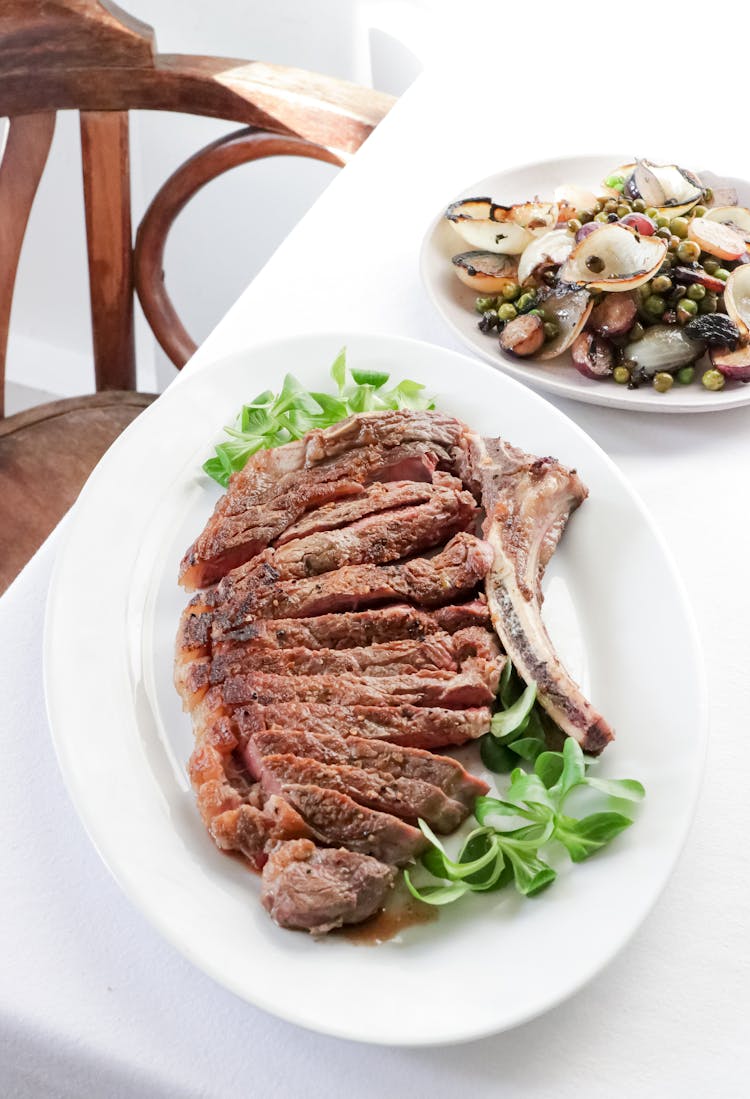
(736, 217)
(548, 251)
(663, 347)
(668, 188)
(569, 307)
(716, 239)
(506, 229)
(737, 299)
(575, 198)
(614, 259)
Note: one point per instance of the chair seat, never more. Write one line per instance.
(46, 455)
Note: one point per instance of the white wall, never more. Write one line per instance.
(225, 235)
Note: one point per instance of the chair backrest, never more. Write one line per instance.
(89, 56)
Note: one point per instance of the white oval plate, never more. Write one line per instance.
(614, 606)
(455, 301)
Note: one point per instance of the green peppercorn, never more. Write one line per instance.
(661, 221)
(654, 305)
(507, 312)
(551, 330)
(639, 206)
(511, 290)
(601, 216)
(621, 375)
(709, 304)
(696, 292)
(679, 227)
(525, 302)
(662, 382)
(574, 224)
(685, 375)
(699, 211)
(687, 305)
(713, 379)
(688, 251)
(652, 212)
(722, 274)
(636, 332)
(483, 304)
(711, 266)
(622, 210)
(661, 284)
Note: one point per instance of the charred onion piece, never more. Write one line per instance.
(592, 356)
(737, 299)
(736, 217)
(523, 336)
(507, 229)
(548, 251)
(614, 315)
(732, 364)
(486, 272)
(663, 347)
(614, 259)
(569, 307)
(716, 239)
(716, 329)
(697, 274)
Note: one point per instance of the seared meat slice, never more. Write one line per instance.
(349, 629)
(375, 539)
(374, 755)
(259, 507)
(384, 430)
(527, 501)
(371, 500)
(429, 582)
(445, 689)
(411, 726)
(312, 889)
(406, 798)
(338, 821)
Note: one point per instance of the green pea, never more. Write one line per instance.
(685, 375)
(652, 212)
(661, 284)
(679, 227)
(711, 266)
(696, 292)
(654, 305)
(534, 313)
(707, 194)
(612, 181)
(688, 251)
(722, 274)
(622, 210)
(483, 304)
(639, 206)
(551, 330)
(621, 375)
(713, 379)
(662, 381)
(574, 224)
(661, 221)
(511, 290)
(601, 216)
(687, 305)
(636, 332)
(507, 312)
(709, 304)
(699, 211)
(525, 302)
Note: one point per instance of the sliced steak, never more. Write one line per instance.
(406, 798)
(409, 726)
(312, 889)
(338, 821)
(428, 582)
(443, 689)
(528, 501)
(374, 755)
(349, 629)
(373, 499)
(259, 507)
(376, 539)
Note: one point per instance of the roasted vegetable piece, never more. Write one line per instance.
(732, 364)
(663, 348)
(592, 356)
(716, 329)
(524, 336)
(614, 315)
(486, 272)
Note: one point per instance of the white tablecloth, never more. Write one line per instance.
(94, 1003)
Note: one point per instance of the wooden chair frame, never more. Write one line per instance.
(89, 56)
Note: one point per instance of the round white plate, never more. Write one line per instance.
(614, 606)
(455, 301)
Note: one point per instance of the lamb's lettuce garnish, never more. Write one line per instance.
(271, 420)
(494, 854)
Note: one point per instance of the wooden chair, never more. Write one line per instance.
(89, 56)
